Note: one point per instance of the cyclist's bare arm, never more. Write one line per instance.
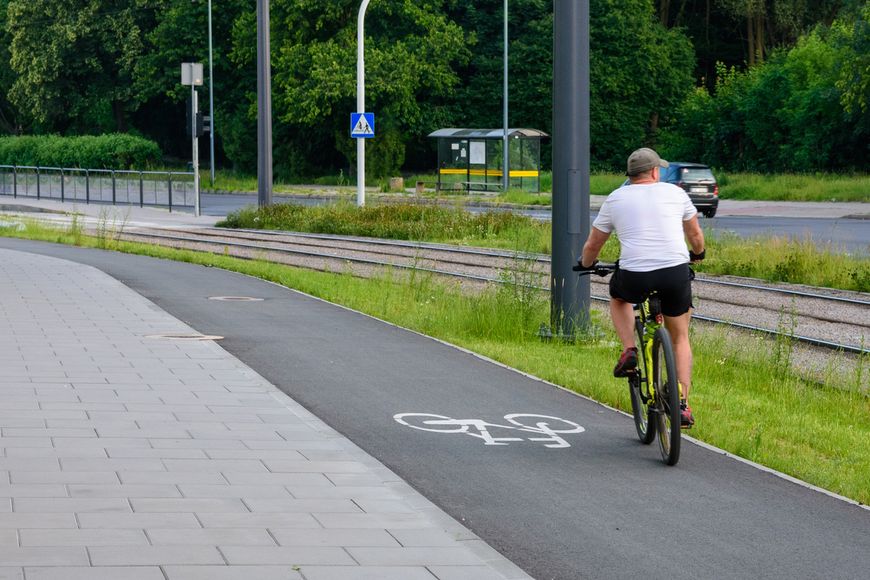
(694, 234)
(593, 246)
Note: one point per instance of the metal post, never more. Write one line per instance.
(264, 107)
(361, 103)
(61, 187)
(210, 98)
(169, 191)
(114, 199)
(194, 100)
(506, 173)
(87, 187)
(37, 183)
(14, 182)
(570, 296)
(141, 191)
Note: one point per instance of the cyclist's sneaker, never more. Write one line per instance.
(627, 363)
(686, 417)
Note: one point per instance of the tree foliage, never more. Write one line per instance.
(790, 89)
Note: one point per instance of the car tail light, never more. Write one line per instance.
(716, 190)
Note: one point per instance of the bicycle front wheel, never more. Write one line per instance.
(667, 396)
(638, 385)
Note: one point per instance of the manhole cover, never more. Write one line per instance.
(184, 336)
(235, 298)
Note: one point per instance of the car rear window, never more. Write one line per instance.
(696, 174)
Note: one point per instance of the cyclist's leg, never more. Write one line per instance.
(622, 313)
(678, 328)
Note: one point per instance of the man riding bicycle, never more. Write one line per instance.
(652, 220)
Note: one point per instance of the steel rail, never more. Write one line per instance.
(528, 256)
(487, 279)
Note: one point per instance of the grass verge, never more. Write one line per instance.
(745, 402)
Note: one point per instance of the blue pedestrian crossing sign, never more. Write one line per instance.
(362, 125)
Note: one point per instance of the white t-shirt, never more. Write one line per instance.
(648, 219)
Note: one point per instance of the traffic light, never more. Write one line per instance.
(188, 125)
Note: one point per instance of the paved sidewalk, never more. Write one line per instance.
(124, 456)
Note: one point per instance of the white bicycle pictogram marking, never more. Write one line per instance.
(547, 428)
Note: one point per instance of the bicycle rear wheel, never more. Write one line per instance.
(667, 397)
(638, 386)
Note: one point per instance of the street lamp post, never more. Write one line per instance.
(506, 174)
(210, 97)
(361, 104)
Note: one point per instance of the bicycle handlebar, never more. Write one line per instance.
(597, 269)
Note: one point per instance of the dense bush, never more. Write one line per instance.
(791, 113)
(115, 151)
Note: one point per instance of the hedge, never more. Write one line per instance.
(114, 151)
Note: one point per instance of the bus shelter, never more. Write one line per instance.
(473, 159)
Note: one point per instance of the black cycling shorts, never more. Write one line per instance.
(674, 286)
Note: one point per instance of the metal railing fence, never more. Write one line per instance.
(169, 189)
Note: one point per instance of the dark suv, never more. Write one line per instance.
(698, 181)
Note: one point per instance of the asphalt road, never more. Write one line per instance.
(603, 506)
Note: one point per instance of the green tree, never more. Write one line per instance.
(411, 48)
(74, 61)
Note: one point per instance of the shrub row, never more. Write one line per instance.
(114, 151)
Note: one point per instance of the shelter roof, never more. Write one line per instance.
(487, 133)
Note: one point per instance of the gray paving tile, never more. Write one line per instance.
(123, 491)
(83, 538)
(64, 477)
(249, 520)
(320, 506)
(171, 477)
(240, 491)
(33, 490)
(11, 573)
(154, 555)
(345, 538)
(233, 573)
(53, 556)
(250, 555)
(177, 521)
(211, 537)
(377, 521)
(101, 573)
(366, 573)
(185, 505)
(449, 556)
(70, 505)
(16, 520)
(283, 479)
(465, 573)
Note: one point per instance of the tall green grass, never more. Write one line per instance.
(744, 400)
(794, 187)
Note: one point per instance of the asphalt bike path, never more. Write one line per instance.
(569, 499)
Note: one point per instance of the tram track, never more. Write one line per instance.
(828, 318)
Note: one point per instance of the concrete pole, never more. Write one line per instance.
(264, 107)
(361, 104)
(570, 294)
(210, 98)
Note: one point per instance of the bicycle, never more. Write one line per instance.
(655, 391)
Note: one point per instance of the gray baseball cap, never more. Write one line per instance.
(642, 160)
